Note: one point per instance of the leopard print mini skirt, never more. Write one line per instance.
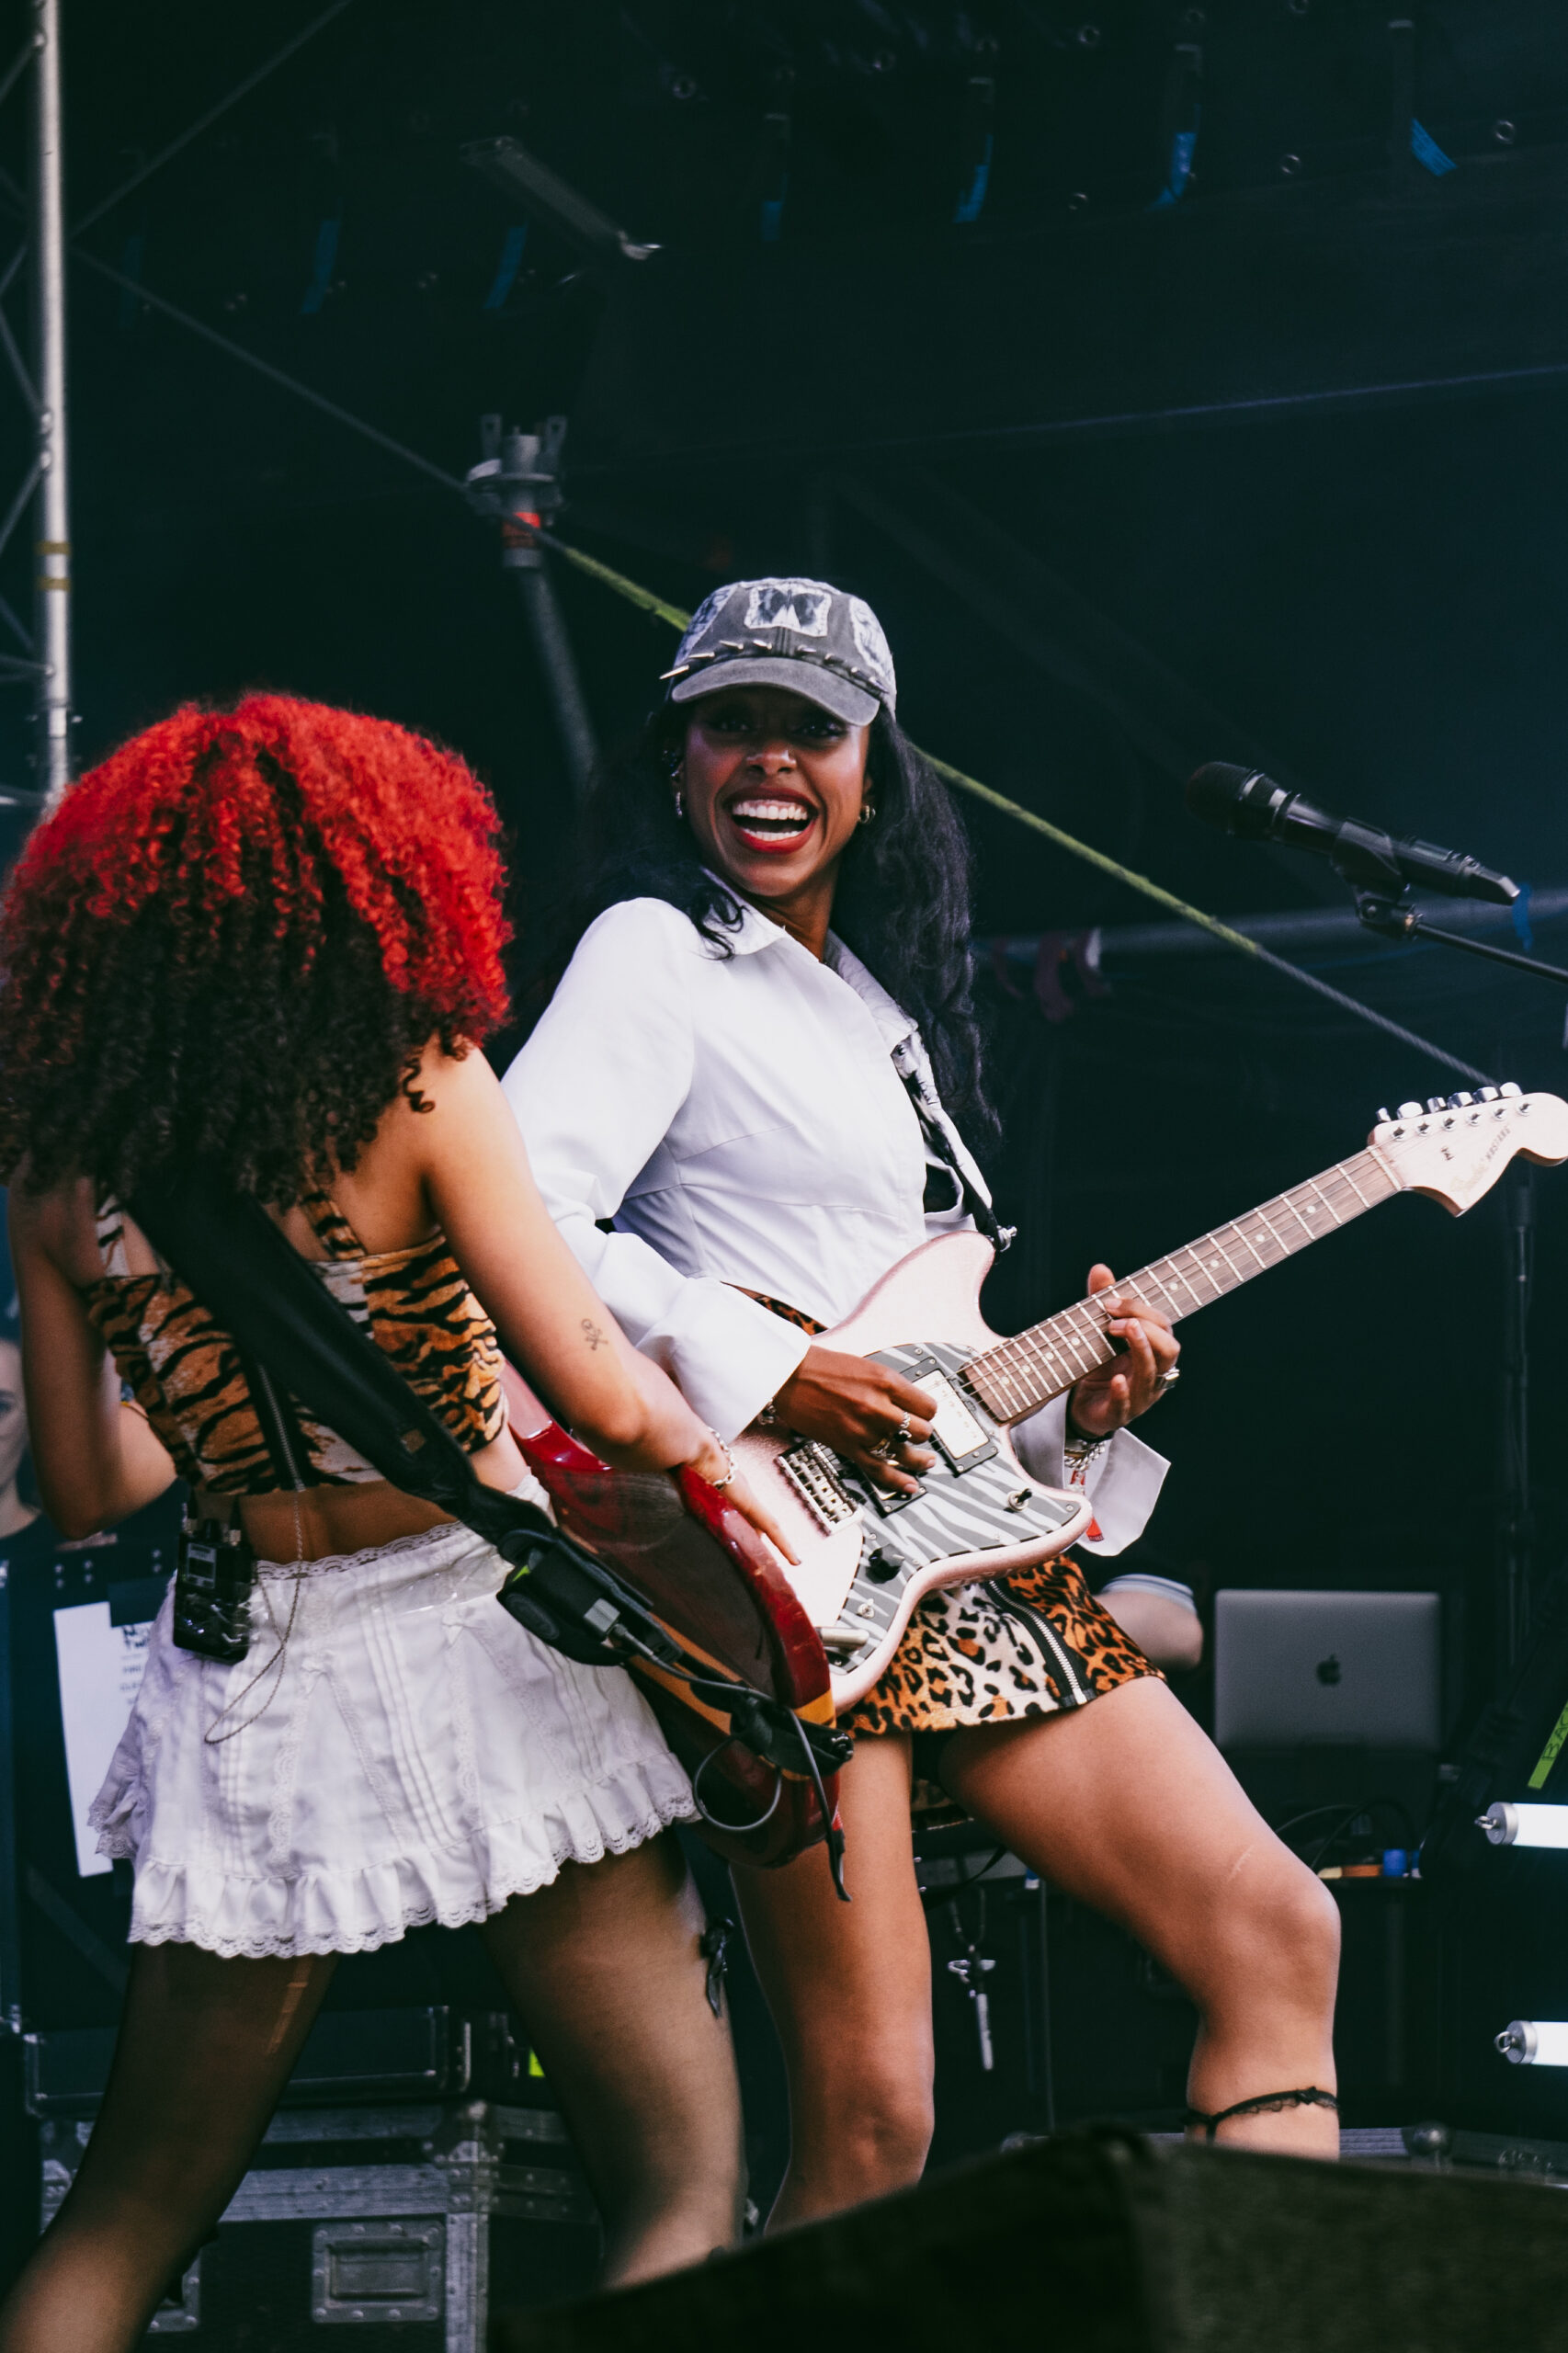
(1026, 1644)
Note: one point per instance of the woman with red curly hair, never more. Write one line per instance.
(271, 937)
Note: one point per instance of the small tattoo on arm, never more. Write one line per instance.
(592, 1334)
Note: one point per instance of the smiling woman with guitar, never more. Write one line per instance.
(742, 1127)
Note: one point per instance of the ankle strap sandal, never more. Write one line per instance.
(1266, 2103)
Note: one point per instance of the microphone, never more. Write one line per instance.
(1246, 803)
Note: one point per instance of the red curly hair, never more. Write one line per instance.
(235, 937)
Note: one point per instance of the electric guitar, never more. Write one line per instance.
(868, 1555)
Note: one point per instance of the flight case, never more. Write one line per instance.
(402, 2218)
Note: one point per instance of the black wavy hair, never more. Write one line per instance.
(903, 902)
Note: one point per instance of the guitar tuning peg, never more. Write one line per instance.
(1410, 1110)
(1486, 1094)
(1461, 1102)
(1508, 1087)
(1436, 1102)
(1385, 1116)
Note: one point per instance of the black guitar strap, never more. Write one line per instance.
(285, 1320)
(242, 1265)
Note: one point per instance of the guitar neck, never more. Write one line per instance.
(1021, 1374)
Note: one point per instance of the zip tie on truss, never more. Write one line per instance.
(649, 603)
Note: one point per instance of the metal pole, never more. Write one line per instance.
(554, 650)
(1517, 1531)
(52, 548)
(517, 482)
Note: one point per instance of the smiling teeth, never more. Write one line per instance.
(792, 814)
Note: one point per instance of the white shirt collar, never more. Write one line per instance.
(894, 1023)
(757, 931)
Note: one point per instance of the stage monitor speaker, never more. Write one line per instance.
(1108, 2243)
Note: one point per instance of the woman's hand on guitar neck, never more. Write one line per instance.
(1117, 1393)
(856, 1407)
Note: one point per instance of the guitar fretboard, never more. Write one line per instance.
(1019, 1375)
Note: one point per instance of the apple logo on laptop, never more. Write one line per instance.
(1328, 1670)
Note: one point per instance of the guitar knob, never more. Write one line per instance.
(1410, 1110)
(1461, 1102)
(881, 1564)
(1508, 1087)
(1436, 1102)
(1384, 1115)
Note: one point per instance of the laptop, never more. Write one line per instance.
(1327, 1668)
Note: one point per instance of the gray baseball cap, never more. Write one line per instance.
(802, 634)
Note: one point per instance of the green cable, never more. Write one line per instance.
(1094, 857)
(679, 620)
(649, 603)
(618, 581)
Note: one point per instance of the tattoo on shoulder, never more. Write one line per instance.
(594, 1337)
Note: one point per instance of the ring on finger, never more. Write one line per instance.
(1168, 1380)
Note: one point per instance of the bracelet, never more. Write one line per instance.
(1076, 1442)
(719, 1484)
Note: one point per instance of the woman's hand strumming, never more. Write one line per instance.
(714, 1463)
(858, 1408)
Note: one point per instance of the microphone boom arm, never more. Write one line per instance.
(1397, 919)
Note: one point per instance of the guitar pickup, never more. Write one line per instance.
(884, 1501)
(958, 1435)
(812, 1470)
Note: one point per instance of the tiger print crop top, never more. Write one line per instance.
(184, 1372)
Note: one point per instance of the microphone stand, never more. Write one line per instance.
(1397, 919)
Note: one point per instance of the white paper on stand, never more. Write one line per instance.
(100, 1673)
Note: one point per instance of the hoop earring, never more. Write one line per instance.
(867, 811)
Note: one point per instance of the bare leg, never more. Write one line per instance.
(849, 1987)
(1128, 1805)
(205, 2048)
(603, 1966)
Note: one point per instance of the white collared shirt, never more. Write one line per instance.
(740, 1119)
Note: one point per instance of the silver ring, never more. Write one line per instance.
(1169, 1380)
(886, 1448)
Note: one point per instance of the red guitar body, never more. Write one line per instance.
(711, 1581)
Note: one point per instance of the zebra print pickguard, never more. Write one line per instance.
(991, 1506)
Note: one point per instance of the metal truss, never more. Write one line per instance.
(44, 661)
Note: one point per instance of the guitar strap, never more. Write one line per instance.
(938, 1144)
(242, 1265)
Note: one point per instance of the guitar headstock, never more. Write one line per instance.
(1453, 1149)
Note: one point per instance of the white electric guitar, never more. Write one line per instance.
(868, 1555)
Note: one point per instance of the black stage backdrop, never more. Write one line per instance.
(1279, 466)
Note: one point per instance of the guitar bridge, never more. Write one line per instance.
(813, 1472)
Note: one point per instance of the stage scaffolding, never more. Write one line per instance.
(44, 661)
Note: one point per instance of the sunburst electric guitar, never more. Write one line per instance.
(868, 1555)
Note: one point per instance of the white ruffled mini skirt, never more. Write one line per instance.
(415, 1755)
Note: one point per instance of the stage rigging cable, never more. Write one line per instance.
(677, 619)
